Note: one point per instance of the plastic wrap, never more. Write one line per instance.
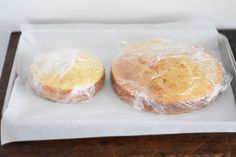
(166, 76)
(66, 75)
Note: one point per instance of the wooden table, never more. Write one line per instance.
(196, 145)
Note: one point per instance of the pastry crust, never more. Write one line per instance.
(70, 79)
(164, 76)
(63, 95)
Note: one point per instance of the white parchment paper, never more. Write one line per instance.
(29, 117)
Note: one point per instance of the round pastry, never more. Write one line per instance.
(66, 75)
(165, 76)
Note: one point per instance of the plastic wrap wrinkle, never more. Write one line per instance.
(171, 77)
(65, 75)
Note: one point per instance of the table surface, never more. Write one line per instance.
(201, 144)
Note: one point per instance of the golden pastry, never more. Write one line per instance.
(165, 76)
(66, 75)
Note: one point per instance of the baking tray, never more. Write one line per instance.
(227, 59)
(159, 145)
(219, 121)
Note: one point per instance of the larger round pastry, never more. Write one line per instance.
(165, 76)
(66, 75)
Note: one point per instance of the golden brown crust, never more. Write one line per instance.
(66, 75)
(62, 95)
(161, 83)
(169, 108)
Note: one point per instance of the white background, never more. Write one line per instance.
(15, 12)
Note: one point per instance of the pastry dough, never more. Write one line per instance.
(66, 75)
(166, 76)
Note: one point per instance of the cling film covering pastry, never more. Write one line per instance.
(166, 76)
(66, 75)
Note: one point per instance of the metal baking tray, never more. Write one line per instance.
(227, 59)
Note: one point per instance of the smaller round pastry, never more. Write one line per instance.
(66, 75)
(165, 76)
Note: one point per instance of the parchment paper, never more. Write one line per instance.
(29, 117)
